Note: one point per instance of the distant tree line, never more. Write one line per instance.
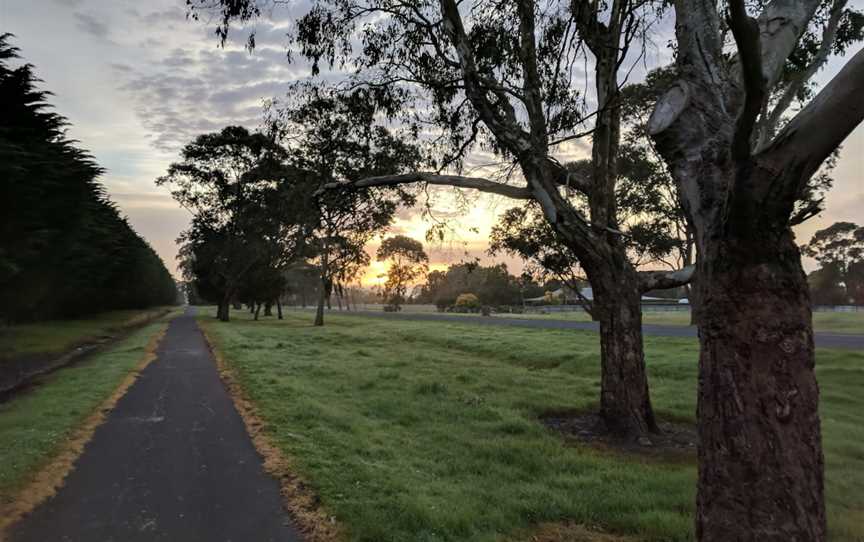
(65, 250)
(492, 285)
(839, 249)
(264, 226)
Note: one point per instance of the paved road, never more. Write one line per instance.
(172, 462)
(823, 340)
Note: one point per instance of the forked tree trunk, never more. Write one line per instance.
(625, 404)
(760, 457)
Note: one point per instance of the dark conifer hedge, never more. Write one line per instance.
(65, 251)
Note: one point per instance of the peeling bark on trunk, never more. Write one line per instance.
(760, 454)
(625, 404)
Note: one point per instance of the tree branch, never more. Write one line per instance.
(816, 132)
(664, 280)
(501, 120)
(474, 183)
(770, 121)
(781, 24)
(745, 29)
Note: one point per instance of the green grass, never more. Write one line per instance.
(427, 431)
(35, 424)
(826, 322)
(58, 336)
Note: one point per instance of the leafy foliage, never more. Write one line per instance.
(65, 251)
(408, 262)
(250, 211)
(839, 249)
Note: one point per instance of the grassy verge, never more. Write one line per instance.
(40, 424)
(58, 336)
(827, 322)
(427, 431)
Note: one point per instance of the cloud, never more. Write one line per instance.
(89, 24)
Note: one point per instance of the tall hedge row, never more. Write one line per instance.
(65, 251)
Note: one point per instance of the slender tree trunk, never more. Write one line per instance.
(257, 310)
(279, 308)
(625, 403)
(268, 308)
(322, 294)
(760, 454)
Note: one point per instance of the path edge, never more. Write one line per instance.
(45, 482)
(298, 498)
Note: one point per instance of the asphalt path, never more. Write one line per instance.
(823, 340)
(172, 462)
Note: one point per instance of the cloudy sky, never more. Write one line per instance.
(137, 80)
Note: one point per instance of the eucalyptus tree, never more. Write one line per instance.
(249, 207)
(408, 263)
(760, 453)
(334, 138)
(500, 76)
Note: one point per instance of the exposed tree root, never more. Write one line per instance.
(676, 442)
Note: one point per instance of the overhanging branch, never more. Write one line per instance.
(474, 183)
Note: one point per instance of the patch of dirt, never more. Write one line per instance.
(45, 483)
(675, 442)
(298, 498)
(569, 532)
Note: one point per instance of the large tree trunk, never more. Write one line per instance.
(625, 404)
(223, 312)
(760, 454)
(279, 308)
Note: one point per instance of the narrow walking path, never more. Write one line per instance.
(172, 462)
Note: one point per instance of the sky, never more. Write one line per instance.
(137, 80)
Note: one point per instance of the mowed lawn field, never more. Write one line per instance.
(427, 431)
(823, 322)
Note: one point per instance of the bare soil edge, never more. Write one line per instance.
(675, 443)
(567, 531)
(50, 478)
(20, 373)
(298, 498)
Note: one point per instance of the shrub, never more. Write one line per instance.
(467, 301)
